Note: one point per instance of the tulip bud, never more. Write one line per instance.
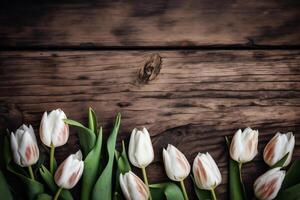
(140, 148)
(176, 165)
(266, 187)
(243, 146)
(133, 187)
(24, 146)
(53, 130)
(278, 147)
(206, 172)
(69, 171)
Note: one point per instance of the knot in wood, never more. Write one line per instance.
(150, 68)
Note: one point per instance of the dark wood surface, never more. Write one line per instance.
(189, 71)
(149, 23)
(196, 99)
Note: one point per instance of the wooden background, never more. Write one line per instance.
(191, 72)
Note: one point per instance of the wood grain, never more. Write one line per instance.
(149, 23)
(196, 98)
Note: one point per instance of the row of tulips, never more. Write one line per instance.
(97, 177)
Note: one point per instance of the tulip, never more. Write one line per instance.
(54, 132)
(206, 172)
(243, 146)
(69, 172)
(140, 148)
(140, 151)
(267, 186)
(176, 165)
(24, 147)
(278, 147)
(133, 187)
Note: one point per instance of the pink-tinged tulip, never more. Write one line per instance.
(243, 147)
(140, 150)
(176, 165)
(133, 187)
(206, 172)
(266, 187)
(278, 147)
(24, 146)
(53, 130)
(69, 171)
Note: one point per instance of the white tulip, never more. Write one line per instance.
(24, 146)
(267, 186)
(243, 146)
(140, 150)
(206, 172)
(133, 187)
(69, 171)
(176, 165)
(278, 147)
(53, 130)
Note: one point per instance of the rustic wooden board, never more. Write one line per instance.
(149, 23)
(193, 101)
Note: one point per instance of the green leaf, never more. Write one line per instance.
(32, 187)
(281, 162)
(87, 137)
(39, 163)
(103, 186)
(92, 121)
(201, 194)
(4, 188)
(292, 176)
(236, 187)
(291, 193)
(44, 196)
(91, 168)
(48, 179)
(168, 191)
(123, 166)
(122, 160)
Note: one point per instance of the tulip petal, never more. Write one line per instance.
(59, 131)
(45, 133)
(14, 148)
(28, 150)
(123, 184)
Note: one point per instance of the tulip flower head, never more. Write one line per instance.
(267, 186)
(176, 165)
(133, 187)
(243, 147)
(69, 171)
(278, 147)
(24, 146)
(53, 130)
(140, 150)
(206, 172)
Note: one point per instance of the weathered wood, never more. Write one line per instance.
(149, 23)
(196, 98)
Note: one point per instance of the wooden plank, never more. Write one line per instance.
(193, 99)
(147, 23)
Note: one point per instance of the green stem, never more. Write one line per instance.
(31, 172)
(184, 190)
(213, 194)
(146, 181)
(52, 148)
(241, 180)
(57, 194)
